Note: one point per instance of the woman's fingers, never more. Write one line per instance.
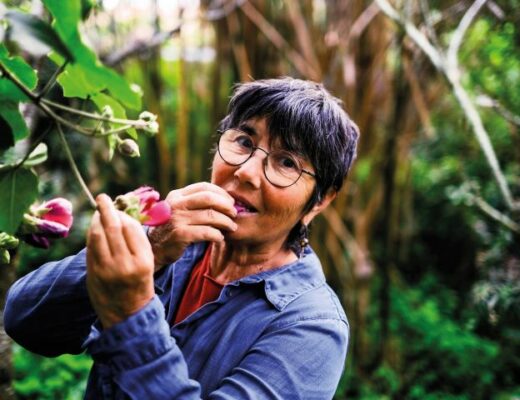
(202, 195)
(205, 187)
(208, 217)
(135, 237)
(97, 245)
(199, 233)
(112, 226)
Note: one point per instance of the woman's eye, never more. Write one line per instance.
(245, 141)
(287, 162)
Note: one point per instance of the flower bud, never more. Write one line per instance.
(143, 204)
(147, 116)
(129, 148)
(152, 128)
(107, 112)
(5, 257)
(7, 241)
(49, 220)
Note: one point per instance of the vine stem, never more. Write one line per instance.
(50, 83)
(45, 104)
(74, 167)
(38, 102)
(97, 117)
(33, 146)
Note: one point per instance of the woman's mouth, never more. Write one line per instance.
(243, 208)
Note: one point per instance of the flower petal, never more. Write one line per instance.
(147, 197)
(51, 229)
(59, 210)
(37, 241)
(158, 214)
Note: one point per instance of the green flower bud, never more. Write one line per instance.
(5, 257)
(107, 112)
(7, 241)
(152, 128)
(129, 148)
(147, 116)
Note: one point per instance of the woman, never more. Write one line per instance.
(227, 300)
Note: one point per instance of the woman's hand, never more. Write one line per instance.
(200, 212)
(120, 264)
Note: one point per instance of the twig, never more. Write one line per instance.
(435, 56)
(74, 167)
(494, 213)
(38, 102)
(52, 80)
(140, 47)
(303, 35)
(135, 123)
(423, 5)
(361, 22)
(486, 101)
(458, 35)
(214, 14)
(452, 74)
(278, 40)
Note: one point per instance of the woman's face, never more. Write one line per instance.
(266, 213)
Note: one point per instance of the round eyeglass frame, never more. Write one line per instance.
(253, 150)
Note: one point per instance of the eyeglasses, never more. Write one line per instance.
(281, 168)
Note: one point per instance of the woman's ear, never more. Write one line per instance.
(318, 207)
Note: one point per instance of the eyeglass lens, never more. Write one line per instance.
(281, 168)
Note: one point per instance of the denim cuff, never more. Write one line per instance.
(141, 338)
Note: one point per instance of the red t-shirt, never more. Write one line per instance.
(201, 289)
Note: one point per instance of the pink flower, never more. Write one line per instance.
(143, 204)
(49, 220)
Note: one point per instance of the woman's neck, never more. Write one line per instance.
(230, 261)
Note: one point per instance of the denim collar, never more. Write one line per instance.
(281, 285)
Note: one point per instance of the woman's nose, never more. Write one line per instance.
(252, 171)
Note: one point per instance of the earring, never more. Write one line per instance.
(303, 239)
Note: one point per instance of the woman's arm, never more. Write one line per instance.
(48, 310)
(295, 360)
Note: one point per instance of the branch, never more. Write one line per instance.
(50, 83)
(420, 39)
(214, 14)
(452, 74)
(140, 46)
(277, 39)
(361, 22)
(303, 35)
(139, 124)
(493, 213)
(74, 167)
(423, 4)
(458, 35)
(485, 101)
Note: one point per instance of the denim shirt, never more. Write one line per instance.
(279, 334)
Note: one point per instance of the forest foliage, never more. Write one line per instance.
(422, 246)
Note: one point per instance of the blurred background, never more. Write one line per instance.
(422, 244)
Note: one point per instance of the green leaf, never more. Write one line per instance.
(11, 114)
(34, 35)
(38, 155)
(19, 189)
(11, 158)
(101, 100)
(6, 134)
(88, 75)
(21, 70)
